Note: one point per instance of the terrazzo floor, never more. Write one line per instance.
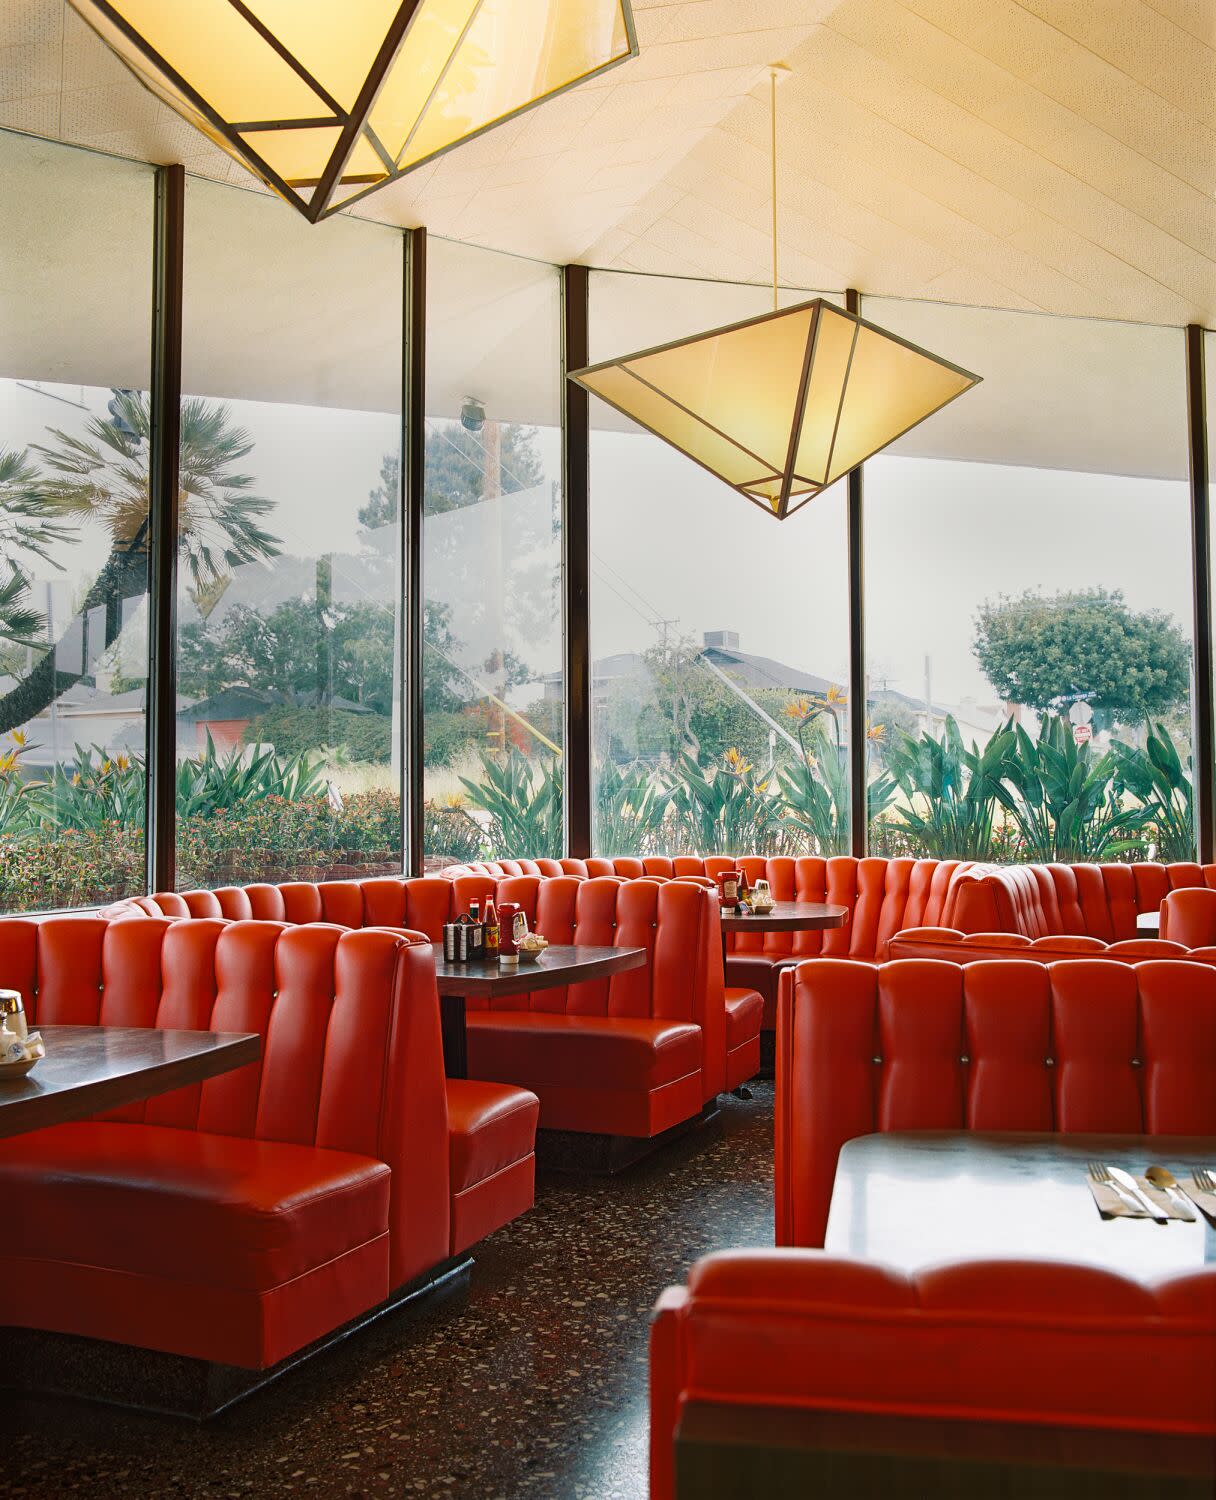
(533, 1384)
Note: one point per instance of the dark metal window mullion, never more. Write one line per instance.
(1204, 734)
(164, 461)
(576, 563)
(413, 474)
(859, 812)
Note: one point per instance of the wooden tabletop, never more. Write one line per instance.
(92, 1068)
(922, 1197)
(788, 916)
(559, 964)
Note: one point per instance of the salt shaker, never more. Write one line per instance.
(12, 1012)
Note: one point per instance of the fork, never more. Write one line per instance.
(1203, 1180)
(1100, 1172)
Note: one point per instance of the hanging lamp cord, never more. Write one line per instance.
(773, 119)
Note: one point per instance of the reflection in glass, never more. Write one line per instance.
(493, 684)
(1028, 598)
(74, 452)
(289, 571)
(719, 646)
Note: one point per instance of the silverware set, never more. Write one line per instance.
(1130, 1191)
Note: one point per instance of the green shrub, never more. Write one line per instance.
(450, 834)
(300, 731)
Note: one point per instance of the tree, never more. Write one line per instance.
(455, 471)
(28, 527)
(103, 480)
(1045, 650)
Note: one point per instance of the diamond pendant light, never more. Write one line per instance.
(783, 405)
(327, 100)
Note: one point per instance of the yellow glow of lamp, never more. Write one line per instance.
(327, 100)
(782, 405)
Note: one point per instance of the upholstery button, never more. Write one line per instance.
(964, 1058)
(1049, 1062)
(878, 1060)
(1136, 1063)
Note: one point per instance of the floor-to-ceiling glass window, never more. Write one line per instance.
(289, 659)
(75, 308)
(493, 681)
(719, 636)
(1028, 597)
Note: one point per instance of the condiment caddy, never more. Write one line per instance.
(498, 935)
(20, 1048)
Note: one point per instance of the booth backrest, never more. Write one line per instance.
(422, 905)
(882, 895)
(351, 1053)
(1029, 1342)
(1084, 1045)
(676, 922)
(1189, 917)
(973, 947)
(885, 896)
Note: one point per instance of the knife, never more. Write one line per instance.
(1130, 1185)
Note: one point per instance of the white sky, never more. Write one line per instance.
(671, 543)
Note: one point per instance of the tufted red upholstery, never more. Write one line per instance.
(890, 897)
(681, 981)
(629, 1055)
(1189, 917)
(242, 1218)
(969, 947)
(1081, 1045)
(1008, 1341)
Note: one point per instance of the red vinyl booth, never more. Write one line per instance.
(1188, 917)
(238, 1220)
(919, 907)
(1036, 1343)
(1084, 1045)
(631, 1055)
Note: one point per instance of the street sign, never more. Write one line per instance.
(1082, 734)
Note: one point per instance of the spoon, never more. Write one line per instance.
(1163, 1178)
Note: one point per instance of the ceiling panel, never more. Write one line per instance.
(1050, 154)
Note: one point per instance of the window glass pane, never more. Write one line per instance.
(75, 299)
(1028, 597)
(493, 692)
(719, 635)
(289, 570)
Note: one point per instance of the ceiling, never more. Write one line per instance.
(1057, 155)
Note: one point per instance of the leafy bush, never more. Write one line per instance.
(951, 792)
(730, 808)
(523, 802)
(1156, 777)
(301, 731)
(451, 835)
(631, 809)
(1066, 800)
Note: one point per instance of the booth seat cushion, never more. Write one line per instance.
(619, 1052)
(151, 1200)
(743, 1009)
(492, 1150)
(606, 1075)
(492, 1126)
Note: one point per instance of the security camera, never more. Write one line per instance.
(472, 414)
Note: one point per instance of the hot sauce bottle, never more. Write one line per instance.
(492, 934)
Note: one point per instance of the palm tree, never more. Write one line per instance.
(102, 479)
(26, 527)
